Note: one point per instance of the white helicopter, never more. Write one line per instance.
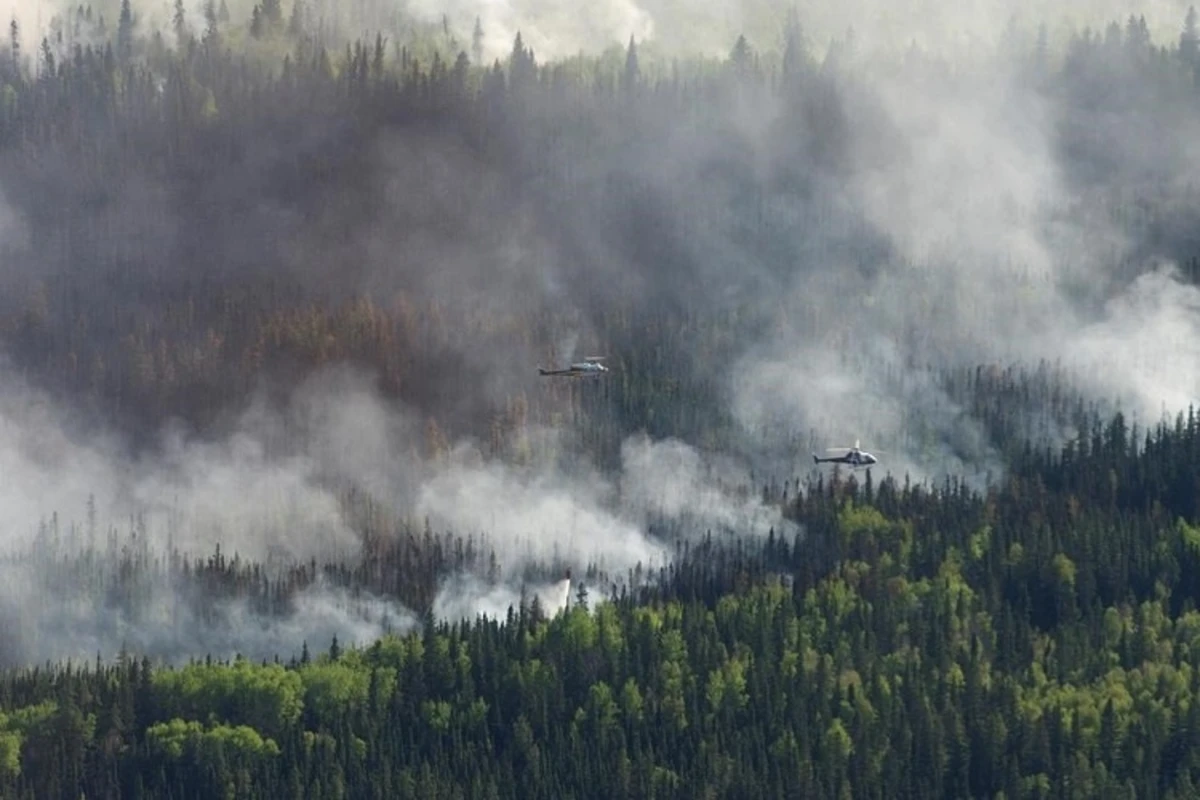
(589, 367)
(854, 456)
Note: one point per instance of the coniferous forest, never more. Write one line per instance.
(287, 510)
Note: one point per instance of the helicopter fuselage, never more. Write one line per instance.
(582, 369)
(855, 458)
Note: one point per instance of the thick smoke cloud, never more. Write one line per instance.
(266, 493)
(913, 211)
(996, 251)
(538, 515)
(1146, 346)
(193, 493)
(80, 512)
(165, 623)
(900, 213)
(670, 481)
(543, 514)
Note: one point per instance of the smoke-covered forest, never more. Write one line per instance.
(286, 508)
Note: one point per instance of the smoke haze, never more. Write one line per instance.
(263, 494)
(673, 28)
(892, 212)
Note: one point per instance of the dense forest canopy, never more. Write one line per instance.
(276, 279)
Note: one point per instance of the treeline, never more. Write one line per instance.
(1036, 641)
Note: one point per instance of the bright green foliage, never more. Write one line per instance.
(177, 739)
(809, 693)
(10, 755)
(170, 738)
(25, 720)
(332, 688)
(265, 697)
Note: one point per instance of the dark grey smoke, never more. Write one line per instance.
(806, 255)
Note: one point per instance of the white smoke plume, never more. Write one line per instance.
(263, 494)
(163, 622)
(70, 495)
(670, 480)
(991, 253)
(537, 515)
(464, 597)
(195, 494)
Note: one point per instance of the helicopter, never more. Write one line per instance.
(589, 367)
(854, 456)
